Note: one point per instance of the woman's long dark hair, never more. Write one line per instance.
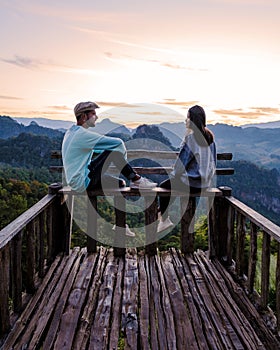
(198, 125)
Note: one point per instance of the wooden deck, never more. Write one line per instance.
(169, 301)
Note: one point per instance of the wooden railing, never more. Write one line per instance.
(28, 247)
(32, 243)
(150, 154)
(239, 231)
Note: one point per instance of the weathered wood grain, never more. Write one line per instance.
(167, 301)
(143, 304)
(117, 307)
(159, 312)
(154, 342)
(168, 318)
(238, 330)
(185, 335)
(75, 304)
(45, 307)
(242, 302)
(60, 300)
(100, 332)
(86, 320)
(130, 300)
(32, 307)
(192, 301)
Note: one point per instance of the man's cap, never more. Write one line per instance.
(84, 107)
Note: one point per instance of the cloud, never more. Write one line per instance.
(120, 58)
(174, 102)
(60, 108)
(2, 97)
(153, 113)
(251, 113)
(48, 65)
(177, 66)
(116, 104)
(24, 62)
(266, 110)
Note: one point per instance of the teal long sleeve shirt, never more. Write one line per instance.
(78, 146)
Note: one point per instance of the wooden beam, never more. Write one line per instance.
(147, 170)
(56, 154)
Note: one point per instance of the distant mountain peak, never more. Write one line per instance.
(34, 123)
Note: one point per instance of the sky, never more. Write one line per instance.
(166, 55)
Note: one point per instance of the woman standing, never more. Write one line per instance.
(195, 165)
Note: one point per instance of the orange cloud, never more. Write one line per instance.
(2, 97)
(60, 108)
(173, 102)
(116, 104)
(252, 113)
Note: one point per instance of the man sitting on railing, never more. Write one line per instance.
(195, 165)
(80, 143)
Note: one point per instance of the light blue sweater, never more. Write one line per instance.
(78, 146)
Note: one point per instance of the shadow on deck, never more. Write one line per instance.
(167, 301)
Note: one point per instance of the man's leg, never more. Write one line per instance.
(99, 166)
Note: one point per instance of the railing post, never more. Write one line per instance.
(91, 224)
(278, 289)
(230, 239)
(253, 257)
(30, 257)
(151, 225)
(4, 289)
(120, 238)
(240, 245)
(16, 271)
(223, 224)
(188, 206)
(67, 207)
(265, 270)
(212, 227)
(60, 231)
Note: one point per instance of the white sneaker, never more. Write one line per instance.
(128, 231)
(164, 224)
(143, 183)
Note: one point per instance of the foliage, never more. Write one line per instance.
(28, 150)
(16, 196)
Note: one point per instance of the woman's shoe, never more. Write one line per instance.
(164, 224)
(128, 231)
(142, 184)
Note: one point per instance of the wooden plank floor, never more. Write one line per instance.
(140, 302)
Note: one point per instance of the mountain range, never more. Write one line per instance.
(65, 124)
(258, 145)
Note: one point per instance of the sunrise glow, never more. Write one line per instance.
(222, 54)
